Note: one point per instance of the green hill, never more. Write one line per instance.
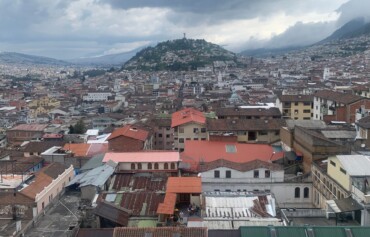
(178, 55)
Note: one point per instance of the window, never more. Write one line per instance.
(306, 103)
(203, 139)
(166, 166)
(217, 173)
(217, 190)
(262, 133)
(173, 166)
(132, 166)
(296, 111)
(156, 166)
(150, 166)
(188, 139)
(203, 130)
(139, 166)
(195, 130)
(159, 134)
(277, 133)
(333, 163)
(181, 140)
(228, 174)
(343, 170)
(181, 130)
(168, 136)
(267, 173)
(297, 192)
(295, 103)
(228, 190)
(306, 192)
(256, 173)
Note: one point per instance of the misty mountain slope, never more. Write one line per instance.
(351, 29)
(25, 59)
(106, 60)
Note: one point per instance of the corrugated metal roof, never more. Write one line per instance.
(306, 123)
(291, 231)
(339, 134)
(329, 231)
(96, 177)
(254, 231)
(360, 231)
(355, 165)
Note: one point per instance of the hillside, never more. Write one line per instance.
(106, 60)
(180, 54)
(25, 59)
(351, 29)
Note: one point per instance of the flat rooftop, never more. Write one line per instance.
(9, 181)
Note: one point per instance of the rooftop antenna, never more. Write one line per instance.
(184, 35)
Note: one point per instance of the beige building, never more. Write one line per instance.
(346, 177)
(297, 107)
(188, 124)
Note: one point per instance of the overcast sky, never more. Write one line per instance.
(67, 29)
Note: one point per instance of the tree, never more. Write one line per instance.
(79, 128)
(71, 129)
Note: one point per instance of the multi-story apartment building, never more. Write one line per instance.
(163, 134)
(188, 124)
(343, 177)
(248, 113)
(245, 130)
(336, 106)
(297, 107)
(96, 96)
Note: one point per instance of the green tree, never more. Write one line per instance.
(79, 128)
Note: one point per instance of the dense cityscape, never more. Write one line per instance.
(186, 138)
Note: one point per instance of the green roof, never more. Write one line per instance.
(255, 231)
(329, 231)
(360, 231)
(291, 231)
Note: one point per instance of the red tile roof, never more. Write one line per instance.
(160, 231)
(186, 116)
(168, 205)
(78, 149)
(184, 185)
(207, 151)
(177, 185)
(130, 131)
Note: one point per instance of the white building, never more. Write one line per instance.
(257, 176)
(96, 96)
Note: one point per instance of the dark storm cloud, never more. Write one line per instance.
(353, 9)
(214, 11)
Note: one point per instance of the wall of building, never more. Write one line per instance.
(88, 192)
(53, 189)
(188, 134)
(325, 188)
(244, 177)
(144, 166)
(334, 171)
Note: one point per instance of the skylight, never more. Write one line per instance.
(230, 148)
